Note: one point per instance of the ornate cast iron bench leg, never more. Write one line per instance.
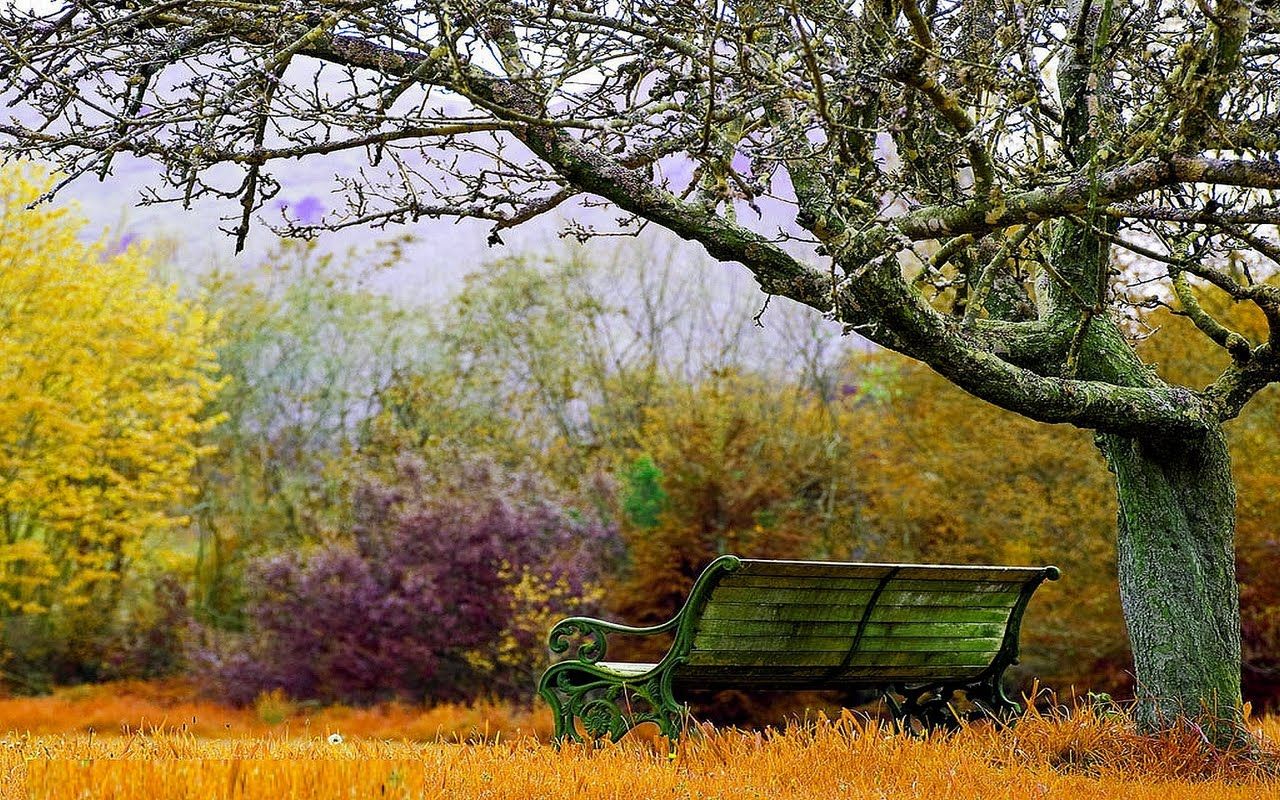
(935, 705)
(1003, 710)
(609, 704)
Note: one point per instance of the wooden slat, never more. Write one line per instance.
(799, 582)
(976, 587)
(904, 571)
(871, 644)
(892, 596)
(866, 584)
(870, 675)
(876, 675)
(626, 667)
(714, 677)
(767, 658)
(781, 596)
(930, 572)
(786, 659)
(834, 644)
(810, 612)
(924, 659)
(814, 569)
(933, 615)
(800, 628)
(796, 613)
(842, 597)
(950, 631)
(841, 644)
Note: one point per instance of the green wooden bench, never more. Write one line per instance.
(918, 634)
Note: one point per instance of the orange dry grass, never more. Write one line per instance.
(173, 706)
(1081, 757)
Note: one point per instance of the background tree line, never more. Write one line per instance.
(283, 479)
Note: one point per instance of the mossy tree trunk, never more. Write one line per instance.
(1176, 563)
(1175, 530)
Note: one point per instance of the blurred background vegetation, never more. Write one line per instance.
(283, 482)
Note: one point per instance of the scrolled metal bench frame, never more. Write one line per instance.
(610, 699)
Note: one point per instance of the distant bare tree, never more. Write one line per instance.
(965, 171)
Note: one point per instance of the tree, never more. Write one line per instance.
(1184, 356)
(104, 379)
(560, 357)
(962, 171)
(306, 347)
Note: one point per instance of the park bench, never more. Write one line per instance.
(931, 639)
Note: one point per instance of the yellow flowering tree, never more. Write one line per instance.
(103, 375)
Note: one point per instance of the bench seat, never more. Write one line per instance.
(627, 669)
(917, 633)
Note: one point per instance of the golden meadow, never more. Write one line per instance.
(136, 741)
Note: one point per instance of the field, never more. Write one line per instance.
(144, 742)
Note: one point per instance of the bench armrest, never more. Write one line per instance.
(595, 632)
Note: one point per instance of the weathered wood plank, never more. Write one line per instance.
(867, 584)
(811, 569)
(784, 643)
(893, 596)
(934, 615)
(781, 596)
(985, 573)
(951, 631)
(976, 587)
(813, 678)
(799, 582)
(871, 644)
(790, 658)
(833, 569)
(880, 675)
(841, 644)
(859, 597)
(766, 627)
(799, 612)
(813, 612)
(628, 668)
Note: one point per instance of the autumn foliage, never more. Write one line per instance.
(444, 590)
(105, 373)
(340, 498)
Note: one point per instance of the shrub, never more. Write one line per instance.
(443, 591)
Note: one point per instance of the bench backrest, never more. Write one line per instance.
(800, 623)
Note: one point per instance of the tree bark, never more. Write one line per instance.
(1176, 560)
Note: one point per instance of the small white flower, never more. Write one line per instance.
(335, 738)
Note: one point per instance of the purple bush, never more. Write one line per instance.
(422, 598)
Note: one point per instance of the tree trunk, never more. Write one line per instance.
(1176, 557)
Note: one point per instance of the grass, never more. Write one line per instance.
(174, 707)
(1082, 756)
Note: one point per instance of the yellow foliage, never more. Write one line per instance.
(946, 477)
(748, 466)
(538, 602)
(103, 375)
